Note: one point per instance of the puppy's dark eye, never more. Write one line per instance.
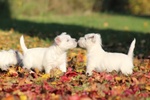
(85, 38)
(67, 40)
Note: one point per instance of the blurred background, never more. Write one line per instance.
(118, 22)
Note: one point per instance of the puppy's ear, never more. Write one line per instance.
(93, 38)
(98, 35)
(57, 40)
(63, 33)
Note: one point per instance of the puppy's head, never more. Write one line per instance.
(90, 40)
(65, 42)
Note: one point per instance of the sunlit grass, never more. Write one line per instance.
(94, 20)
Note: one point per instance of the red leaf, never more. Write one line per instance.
(25, 87)
(128, 92)
(148, 75)
(85, 98)
(108, 77)
(143, 95)
(69, 69)
(47, 86)
(64, 79)
(70, 73)
(74, 97)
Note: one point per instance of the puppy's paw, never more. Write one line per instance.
(127, 72)
(88, 73)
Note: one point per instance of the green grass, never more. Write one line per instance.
(117, 30)
(94, 20)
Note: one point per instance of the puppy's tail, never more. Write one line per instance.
(23, 46)
(131, 49)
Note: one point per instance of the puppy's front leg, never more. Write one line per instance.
(89, 70)
(63, 67)
(47, 69)
(5, 68)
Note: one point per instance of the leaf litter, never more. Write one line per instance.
(19, 84)
(74, 85)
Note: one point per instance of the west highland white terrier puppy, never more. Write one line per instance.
(51, 57)
(9, 58)
(100, 60)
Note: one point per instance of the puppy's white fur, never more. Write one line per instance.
(9, 58)
(100, 60)
(48, 58)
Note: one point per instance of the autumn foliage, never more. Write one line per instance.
(20, 84)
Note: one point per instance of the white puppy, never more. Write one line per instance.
(100, 60)
(9, 58)
(54, 56)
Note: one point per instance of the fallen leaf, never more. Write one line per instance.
(147, 88)
(105, 24)
(10, 97)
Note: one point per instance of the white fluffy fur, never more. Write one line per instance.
(48, 58)
(9, 58)
(100, 60)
